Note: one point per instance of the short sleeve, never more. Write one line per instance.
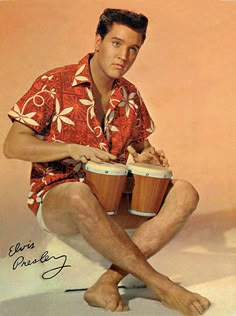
(36, 107)
(144, 124)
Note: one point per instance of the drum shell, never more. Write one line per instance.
(107, 188)
(148, 194)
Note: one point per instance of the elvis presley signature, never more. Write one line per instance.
(21, 262)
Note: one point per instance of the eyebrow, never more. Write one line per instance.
(121, 40)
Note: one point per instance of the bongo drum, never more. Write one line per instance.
(107, 182)
(150, 185)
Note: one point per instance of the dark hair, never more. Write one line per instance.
(135, 21)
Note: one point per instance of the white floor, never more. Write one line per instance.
(202, 258)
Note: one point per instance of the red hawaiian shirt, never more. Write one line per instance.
(60, 107)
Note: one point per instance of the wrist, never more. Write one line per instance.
(69, 150)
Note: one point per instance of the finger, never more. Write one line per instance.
(84, 159)
(132, 151)
(160, 153)
(152, 150)
(164, 159)
(105, 157)
(108, 157)
(112, 157)
(96, 159)
(154, 158)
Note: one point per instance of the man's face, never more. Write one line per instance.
(118, 50)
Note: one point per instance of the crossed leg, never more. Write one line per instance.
(150, 237)
(71, 208)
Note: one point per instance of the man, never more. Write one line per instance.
(90, 112)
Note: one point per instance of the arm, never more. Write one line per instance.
(22, 143)
(144, 152)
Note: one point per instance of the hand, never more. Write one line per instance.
(86, 153)
(150, 156)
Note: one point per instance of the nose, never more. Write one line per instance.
(123, 54)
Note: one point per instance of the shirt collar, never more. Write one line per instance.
(83, 75)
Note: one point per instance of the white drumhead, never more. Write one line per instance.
(147, 170)
(107, 168)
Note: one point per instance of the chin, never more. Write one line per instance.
(115, 77)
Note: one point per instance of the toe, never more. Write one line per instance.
(198, 307)
(194, 310)
(205, 303)
(126, 308)
(121, 307)
(111, 305)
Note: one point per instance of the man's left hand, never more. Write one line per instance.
(149, 155)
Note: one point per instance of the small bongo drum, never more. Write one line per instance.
(107, 182)
(150, 185)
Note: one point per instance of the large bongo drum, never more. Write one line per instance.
(107, 182)
(150, 185)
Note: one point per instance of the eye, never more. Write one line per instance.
(134, 50)
(116, 44)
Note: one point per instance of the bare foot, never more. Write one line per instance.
(176, 297)
(105, 294)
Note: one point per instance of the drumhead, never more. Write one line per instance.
(106, 168)
(147, 170)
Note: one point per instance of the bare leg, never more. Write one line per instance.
(71, 207)
(150, 237)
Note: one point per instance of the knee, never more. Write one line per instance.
(80, 197)
(187, 196)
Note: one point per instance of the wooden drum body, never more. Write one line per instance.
(150, 185)
(107, 182)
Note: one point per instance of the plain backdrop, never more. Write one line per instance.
(185, 72)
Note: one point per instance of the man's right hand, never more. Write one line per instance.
(86, 153)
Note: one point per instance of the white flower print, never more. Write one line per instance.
(30, 200)
(60, 116)
(103, 146)
(21, 117)
(89, 101)
(49, 172)
(128, 101)
(112, 100)
(56, 140)
(78, 77)
(47, 77)
(38, 101)
(108, 127)
(91, 112)
(39, 196)
(151, 129)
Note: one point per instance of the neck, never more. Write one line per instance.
(102, 82)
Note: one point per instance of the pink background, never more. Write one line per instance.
(185, 71)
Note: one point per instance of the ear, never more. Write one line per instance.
(98, 41)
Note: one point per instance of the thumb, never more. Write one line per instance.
(132, 151)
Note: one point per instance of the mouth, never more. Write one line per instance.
(119, 66)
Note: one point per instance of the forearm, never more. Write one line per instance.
(22, 143)
(30, 148)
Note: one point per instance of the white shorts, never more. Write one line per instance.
(40, 216)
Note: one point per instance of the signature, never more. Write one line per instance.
(45, 257)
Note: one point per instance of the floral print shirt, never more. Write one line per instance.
(60, 107)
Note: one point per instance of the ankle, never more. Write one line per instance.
(112, 277)
(161, 285)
